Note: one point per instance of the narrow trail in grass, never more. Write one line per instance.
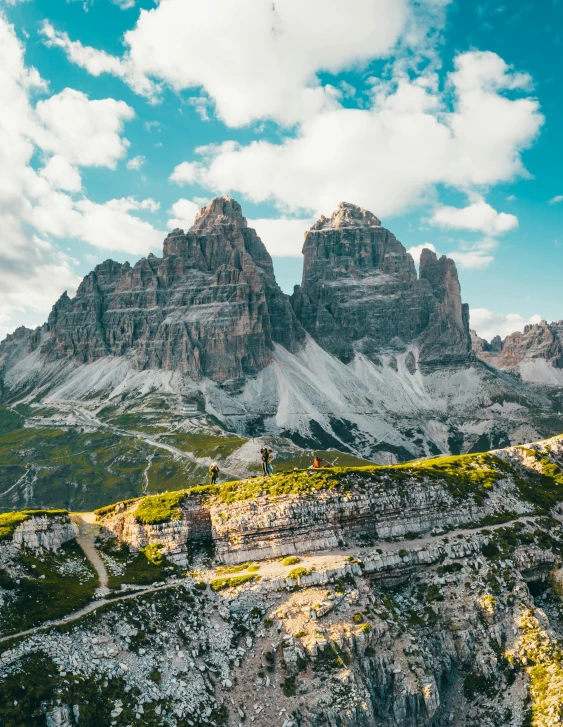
(87, 532)
(93, 420)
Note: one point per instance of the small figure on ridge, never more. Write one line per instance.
(213, 473)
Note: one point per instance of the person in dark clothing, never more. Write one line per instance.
(213, 473)
(265, 459)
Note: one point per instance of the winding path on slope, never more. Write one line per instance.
(76, 615)
(87, 532)
(92, 420)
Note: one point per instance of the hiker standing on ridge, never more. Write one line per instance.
(265, 459)
(213, 473)
(269, 466)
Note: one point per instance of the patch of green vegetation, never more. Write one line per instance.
(297, 573)
(9, 521)
(35, 687)
(81, 470)
(475, 684)
(218, 584)
(205, 445)
(449, 568)
(162, 508)
(288, 686)
(141, 569)
(153, 553)
(542, 656)
(357, 618)
(103, 512)
(24, 691)
(224, 570)
(331, 657)
(291, 560)
(47, 591)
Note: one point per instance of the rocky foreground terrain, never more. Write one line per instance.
(415, 595)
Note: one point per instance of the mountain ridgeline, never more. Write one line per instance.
(365, 356)
(211, 307)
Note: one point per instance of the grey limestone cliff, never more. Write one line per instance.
(210, 307)
(360, 292)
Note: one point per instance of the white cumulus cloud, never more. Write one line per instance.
(182, 214)
(136, 163)
(66, 130)
(477, 217)
(391, 156)
(255, 60)
(283, 237)
(84, 132)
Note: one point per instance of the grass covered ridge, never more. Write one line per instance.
(9, 521)
(163, 508)
(468, 477)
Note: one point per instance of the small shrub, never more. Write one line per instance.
(162, 508)
(291, 560)
(200, 585)
(220, 583)
(155, 676)
(288, 687)
(268, 623)
(357, 618)
(298, 573)
(403, 553)
(365, 628)
(153, 554)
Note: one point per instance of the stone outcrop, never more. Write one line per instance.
(210, 307)
(44, 533)
(539, 341)
(174, 537)
(363, 508)
(360, 292)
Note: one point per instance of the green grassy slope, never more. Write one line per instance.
(81, 470)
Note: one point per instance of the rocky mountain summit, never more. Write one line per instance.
(360, 293)
(210, 307)
(418, 595)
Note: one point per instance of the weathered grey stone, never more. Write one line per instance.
(210, 307)
(360, 292)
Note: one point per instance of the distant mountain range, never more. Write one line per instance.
(366, 356)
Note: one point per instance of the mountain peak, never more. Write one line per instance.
(220, 211)
(347, 215)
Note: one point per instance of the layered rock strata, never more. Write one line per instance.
(360, 292)
(359, 507)
(210, 307)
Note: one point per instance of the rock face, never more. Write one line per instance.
(360, 292)
(538, 341)
(210, 307)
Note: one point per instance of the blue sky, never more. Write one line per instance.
(443, 118)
